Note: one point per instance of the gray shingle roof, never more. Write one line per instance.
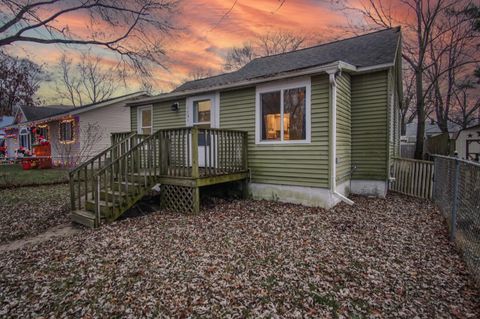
(6, 120)
(33, 113)
(361, 51)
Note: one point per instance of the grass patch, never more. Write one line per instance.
(326, 300)
(14, 176)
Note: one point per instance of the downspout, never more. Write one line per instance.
(333, 136)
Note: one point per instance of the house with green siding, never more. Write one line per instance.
(321, 122)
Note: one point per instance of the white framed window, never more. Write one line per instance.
(25, 138)
(283, 112)
(66, 131)
(145, 120)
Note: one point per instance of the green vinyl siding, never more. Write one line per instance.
(293, 164)
(344, 141)
(163, 116)
(369, 94)
(362, 131)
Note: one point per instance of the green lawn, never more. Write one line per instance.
(14, 176)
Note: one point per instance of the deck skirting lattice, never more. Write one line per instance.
(177, 198)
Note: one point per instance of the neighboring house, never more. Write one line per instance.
(19, 132)
(4, 121)
(322, 121)
(431, 129)
(75, 134)
(435, 141)
(467, 144)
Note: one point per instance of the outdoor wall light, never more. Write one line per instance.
(175, 106)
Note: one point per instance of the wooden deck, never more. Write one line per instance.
(181, 160)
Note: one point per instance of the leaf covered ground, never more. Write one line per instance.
(29, 211)
(380, 258)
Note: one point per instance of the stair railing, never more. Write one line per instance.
(81, 177)
(129, 175)
(174, 153)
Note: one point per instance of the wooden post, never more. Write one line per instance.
(245, 182)
(245, 194)
(455, 200)
(245, 151)
(97, 200)
(72, 192)
(164, 154)
(195, 170)
(196, 200)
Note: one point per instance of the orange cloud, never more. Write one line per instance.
(204, 32)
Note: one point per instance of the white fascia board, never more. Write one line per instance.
(168, 96)
(378, 67)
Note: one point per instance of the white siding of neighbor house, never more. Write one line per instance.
(110, 119)
(62, 153)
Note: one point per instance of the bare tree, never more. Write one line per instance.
(277, 42)
(19, 81)
(200, 73)
(237, 57)
(409, 111)
(451, 55)
(132, 29)
(421, 32)
(270, 43)
(195, 74)
(87, 81)
(467, 104)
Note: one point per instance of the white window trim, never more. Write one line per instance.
(280, 86)
(25, 132)
(139, 117)
(214, 112)
(62, 138)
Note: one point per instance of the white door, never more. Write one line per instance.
(202, 112)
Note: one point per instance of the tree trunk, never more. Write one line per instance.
(420, 114)
(403, 124)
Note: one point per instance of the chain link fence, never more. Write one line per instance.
(456, 191)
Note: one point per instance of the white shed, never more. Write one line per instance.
(467, 144)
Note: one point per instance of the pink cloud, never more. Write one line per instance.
(203, 36)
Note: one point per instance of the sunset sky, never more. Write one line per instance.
(202, 37)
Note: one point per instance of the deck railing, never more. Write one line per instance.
(117, 137)
(136, 162)
(196, 152)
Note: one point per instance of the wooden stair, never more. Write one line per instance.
(85, 218)
(106, 186)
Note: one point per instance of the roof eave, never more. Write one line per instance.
(309, 71)
(91, 107)
(76, 111)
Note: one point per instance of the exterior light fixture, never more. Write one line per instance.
(175, 106)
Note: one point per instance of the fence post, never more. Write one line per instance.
(455, 200)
